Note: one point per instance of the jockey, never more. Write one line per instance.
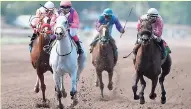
(157, 24)
(107, 17)
(50, 12)
(46, 11)
(67, 10)
(34, 24)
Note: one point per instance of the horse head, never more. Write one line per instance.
(146, 32)
(61, 27)
(104, 34)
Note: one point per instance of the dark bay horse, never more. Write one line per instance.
(39, 58)
(103, 58)
(148, 63)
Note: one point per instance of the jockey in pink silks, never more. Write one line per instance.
(157, 25)
(47, 12)
(67, 10)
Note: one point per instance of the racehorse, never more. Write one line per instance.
(39, 58)
(103, 58)
(65, 59)
(149, 63)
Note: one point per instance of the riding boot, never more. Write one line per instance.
(112, 42)
(115, 54)
(31, 41)
(162, 49)
(32, 38)
(169, 49)
(80, 51)
(93, 43)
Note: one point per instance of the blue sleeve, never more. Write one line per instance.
(117, 24)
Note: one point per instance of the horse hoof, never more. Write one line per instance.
(36, 89)
(110, 86)
(102, 96)
(136, 97)
(163, 100)
(153, 96)
(75, 102)
(64, 94)
(60, 106)
(72, 94)
(142, 100)
(58, 95)
(97, 84)
(44, 100)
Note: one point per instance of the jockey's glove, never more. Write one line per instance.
(122, 30)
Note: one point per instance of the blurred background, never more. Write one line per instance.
(15, 16)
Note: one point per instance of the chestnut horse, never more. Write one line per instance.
(39, 58)
(103, 58)
(149, 63)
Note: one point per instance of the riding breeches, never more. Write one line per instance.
(73, 31)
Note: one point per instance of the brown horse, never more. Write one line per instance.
(148, 63)
(39, 58)
(103, 58)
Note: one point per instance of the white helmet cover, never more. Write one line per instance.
(153, 12)
(49, 5)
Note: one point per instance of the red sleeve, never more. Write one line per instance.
(76, 21)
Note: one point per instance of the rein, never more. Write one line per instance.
(66, 53)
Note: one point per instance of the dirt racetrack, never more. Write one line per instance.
(18, 80)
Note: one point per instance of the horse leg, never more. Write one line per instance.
(110, 75)
(165, 71)
(161, 80)
(43, 86)
(97, 81)
(36, 88)
(73, 92)
(63, 91)
(115, 52)
(141, 95)
(57, 89)
(99, 74)
(153, 95)
(134, 87)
